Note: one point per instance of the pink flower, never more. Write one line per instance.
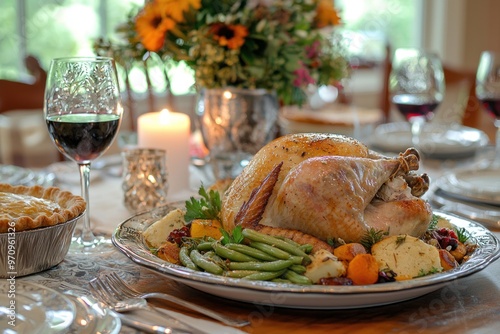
(302, 76)
(312, 51)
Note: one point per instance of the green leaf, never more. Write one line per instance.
(226, 238)
(236, 237)
(371, 237)
(462, 234)
(206, 207)
(237, 234)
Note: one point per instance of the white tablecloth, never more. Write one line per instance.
(106, 196)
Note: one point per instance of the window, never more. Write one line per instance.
(55, 28)
(370, 24)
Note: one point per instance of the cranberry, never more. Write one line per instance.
(447, 238)
(177, 235)
(386, 276)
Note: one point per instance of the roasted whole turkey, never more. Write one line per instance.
(330, 186)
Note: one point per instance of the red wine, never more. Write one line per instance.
(492, 105)
(411, 105)
(83, 137)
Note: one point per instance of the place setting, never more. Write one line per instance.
(474, 190)
(442, 141)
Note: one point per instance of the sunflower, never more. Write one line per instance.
(326, 15)
(151, 26)
(230, 35)
(175, 9)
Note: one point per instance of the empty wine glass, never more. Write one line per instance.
(83, 113)
(488, 92)
(416, 87)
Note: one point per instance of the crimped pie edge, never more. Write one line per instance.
(71, 207)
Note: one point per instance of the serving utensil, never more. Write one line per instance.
(115, 281)
(121, 304)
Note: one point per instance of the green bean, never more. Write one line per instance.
(281, 280)
(306, 248)
(239, 273)
(231, 254)
(273, 251)
(186, 260)
(204, 246)
(251, 251)
(214, 257)
(276, 252)
(298, 268)
(262, 266)
(267, 239)
(265, 275)
(205, 263)
(296, 259)
(290, 241)
(296, 278)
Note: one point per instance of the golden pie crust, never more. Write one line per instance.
(26, 208)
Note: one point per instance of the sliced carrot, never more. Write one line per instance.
(363, 269)
(347, 252)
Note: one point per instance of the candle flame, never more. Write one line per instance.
(164, 115)
(227, 94)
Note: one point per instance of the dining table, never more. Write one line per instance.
(469, 304)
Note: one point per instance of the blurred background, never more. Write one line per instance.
(458, 30)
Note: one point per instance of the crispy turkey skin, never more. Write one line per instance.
(332, 186)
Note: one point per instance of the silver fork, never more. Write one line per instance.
(114, 280)
(120, 303)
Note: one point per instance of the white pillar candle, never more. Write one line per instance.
(169, 131)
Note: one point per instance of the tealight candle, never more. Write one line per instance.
(169, 131)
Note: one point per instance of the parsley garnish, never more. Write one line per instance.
(207, 207)
(236, 237)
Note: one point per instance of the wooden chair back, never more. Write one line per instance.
(16, 95)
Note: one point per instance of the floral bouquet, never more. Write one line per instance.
(281, 45)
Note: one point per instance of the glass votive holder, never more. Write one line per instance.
(145, 182)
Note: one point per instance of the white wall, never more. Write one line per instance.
(459, 30)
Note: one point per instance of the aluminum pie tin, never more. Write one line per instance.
(32, 251)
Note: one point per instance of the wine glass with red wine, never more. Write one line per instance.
(416, 87)
(83, 113)
(488, 92)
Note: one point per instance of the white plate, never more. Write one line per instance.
(332, 118)
(477, 185)
(440, 141)
(487, 215)
(91, 317)
(37, 309)
(128, 238)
